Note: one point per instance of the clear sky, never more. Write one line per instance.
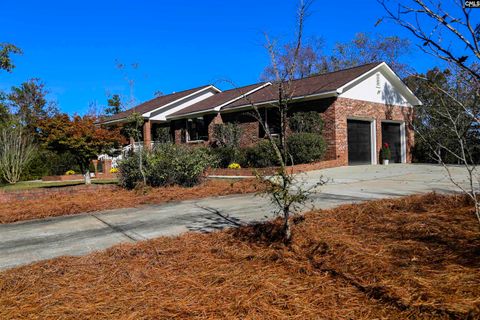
(73, 45)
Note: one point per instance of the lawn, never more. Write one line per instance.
(25, 185)
(411, 258)
(44, 206)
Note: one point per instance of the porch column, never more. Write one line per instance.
(147, 134)
(95, 166)
(217, 120)
(107, 165)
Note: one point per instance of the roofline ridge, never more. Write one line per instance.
(327, 73)
(248, 85)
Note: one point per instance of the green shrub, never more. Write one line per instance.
(190, 164)
(228, 155)
(128, 172)
(162, 135)
(168, 164)
(260, 155)
(227, 135)
(49, 163)
(306, 122)
(306, 147)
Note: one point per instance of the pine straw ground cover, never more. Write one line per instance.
(411, 258)
(116, 197)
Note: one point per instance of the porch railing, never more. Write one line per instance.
(123, 152)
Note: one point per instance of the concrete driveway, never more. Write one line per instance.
(26, 242)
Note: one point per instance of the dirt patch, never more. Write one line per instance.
(413, 258)
(51, 205)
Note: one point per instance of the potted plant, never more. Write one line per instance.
(385, 153)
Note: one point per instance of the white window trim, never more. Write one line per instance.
(373, 136)
(403, 138)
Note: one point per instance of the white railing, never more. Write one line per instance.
(124, 152)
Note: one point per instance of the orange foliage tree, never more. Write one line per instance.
(79, 135)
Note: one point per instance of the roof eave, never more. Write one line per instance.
(148, 114)
(322, 95)
(191, 114)
(120, 120)
(219, 107)
(244, 95)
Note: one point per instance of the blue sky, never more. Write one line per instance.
(73, 45)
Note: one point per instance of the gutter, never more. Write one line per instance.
(148, 114)
(307, 97)
(118, 120)
(219, 107)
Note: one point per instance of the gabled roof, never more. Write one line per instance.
(217, 101)
(314, 87)
(309, 86)
(154, 104)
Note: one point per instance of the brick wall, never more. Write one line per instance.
(6, 196)
(329, 133)
(176, 128)
(344, 108)
(248, 125)
(335, 113)
(296, 169)
(214, 120)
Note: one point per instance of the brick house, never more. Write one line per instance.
(362, 108)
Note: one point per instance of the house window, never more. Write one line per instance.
(271, 117)
(197, 130)
(378, 80)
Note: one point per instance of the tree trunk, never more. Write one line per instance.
(88, 180)
(286, 228)
(140, 167)
(477, 209)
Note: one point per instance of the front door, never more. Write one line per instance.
(391, 134)
(359, 142)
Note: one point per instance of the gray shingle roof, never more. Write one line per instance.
(217, 100)
(322, 83)
(153, 104)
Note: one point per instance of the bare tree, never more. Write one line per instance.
(133, 128)
(362, 49)
(453, 37)
(310, 60)
(135, 121)
(16, 151)
(284, 189)
(94, 110)
(460, 118)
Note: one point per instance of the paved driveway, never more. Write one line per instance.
(25, 242)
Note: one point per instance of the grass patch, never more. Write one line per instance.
(25, 185)
(411, 258)
(95, 199)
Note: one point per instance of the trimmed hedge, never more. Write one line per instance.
(306, 147)
(260, 155)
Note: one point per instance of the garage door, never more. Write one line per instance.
(391, 135)
(359, 142)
